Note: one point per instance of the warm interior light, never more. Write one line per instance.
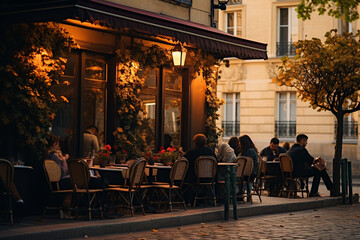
(179, 55)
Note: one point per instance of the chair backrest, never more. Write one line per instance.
(286, 165)
(248, 167)
(126, 173)
(79, 174)
(241, 163)
(136, 173)
(52, 173)
(6, 173)
(205, 167)
(178, 170)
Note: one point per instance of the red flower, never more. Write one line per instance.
(106, 154)
(100, 153)
(115, 147)
(162, 151)
(161, 148)
(124, 151)
(107, 147)
(156, 157)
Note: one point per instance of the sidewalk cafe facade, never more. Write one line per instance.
(122, 75)
(174, 99)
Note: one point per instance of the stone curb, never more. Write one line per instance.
(101, 227)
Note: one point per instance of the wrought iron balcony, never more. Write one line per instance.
(285, 49)
(350, 130)
(285, 129)
(231, 128)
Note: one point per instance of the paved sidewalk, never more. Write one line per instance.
(53, 228)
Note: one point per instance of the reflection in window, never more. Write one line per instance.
(172, 119)
(151, 80)
(172, 81)
(94, 108)
(95, 69)
(150, 108)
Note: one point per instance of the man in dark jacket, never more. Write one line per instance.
(200, 149)
(303, 165)
(273, 150)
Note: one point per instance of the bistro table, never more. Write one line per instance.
(230, 178)
(109, 168)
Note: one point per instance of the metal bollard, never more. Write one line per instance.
(233, 185)
(350, 183)
(227, 193)
(343, 179)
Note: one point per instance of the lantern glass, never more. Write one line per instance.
(179, 56)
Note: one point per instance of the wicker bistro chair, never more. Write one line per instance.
(7, 177)
(264, 178)
(80, 177)
(291, 185)
(241, 162)
(134, 188)
(256, 185)
(205, 169)
(245, 180)
(174, 186)
(53, 175)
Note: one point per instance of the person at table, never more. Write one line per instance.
(286, 145)
(200, 149)
(248, 149)
(303, 165)
(234, 143)
(271, 153)
(54, 153)
(226, 155)
(91, 141)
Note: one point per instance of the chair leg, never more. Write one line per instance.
(170, 200)
(11, 214)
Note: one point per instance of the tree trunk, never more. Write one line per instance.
(338, 153)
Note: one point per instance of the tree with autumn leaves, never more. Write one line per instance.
(327, 75)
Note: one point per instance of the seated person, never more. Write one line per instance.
(225, 154)
(273, 150)
(200, 149)
(248, 149)
(91, 141)
(234, 143)
(167, 141)
(55, 154)
(303, 165)
(271, 153)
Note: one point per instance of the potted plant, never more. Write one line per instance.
(104, 155)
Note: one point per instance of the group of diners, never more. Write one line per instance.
(226, 152)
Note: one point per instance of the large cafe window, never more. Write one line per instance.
(162, 96)
(95, 94)
(94, 102)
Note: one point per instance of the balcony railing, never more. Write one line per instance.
(231, 128)
(285, 49)
(285, 129)
(350, 130)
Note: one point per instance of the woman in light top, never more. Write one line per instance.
(225, 154)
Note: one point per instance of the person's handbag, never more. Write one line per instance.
(319, 163)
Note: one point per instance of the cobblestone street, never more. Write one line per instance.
(340, 222)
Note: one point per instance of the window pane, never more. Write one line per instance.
(237, 108)
(230, 23)
(151, 80)
(94, 108)
(282, 111)
(284, 16)
(172, 119)
(284, 34)
(238, 23)
(95, 69)
(150, 108)
(294, 28)
(172, 81)
(229, 107)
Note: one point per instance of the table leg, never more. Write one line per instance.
(227, 194)
(233, 183)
